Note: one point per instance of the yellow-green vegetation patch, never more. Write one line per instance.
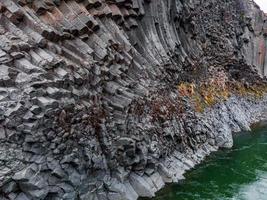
(218, 89)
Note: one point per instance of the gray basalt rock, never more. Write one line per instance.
(141, 186)
(89, 105)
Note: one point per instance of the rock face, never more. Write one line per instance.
(88, 92)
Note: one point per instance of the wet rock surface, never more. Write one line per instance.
(88, 92)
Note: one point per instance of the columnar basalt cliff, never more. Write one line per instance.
(89, 98)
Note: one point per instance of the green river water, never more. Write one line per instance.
(236, 174)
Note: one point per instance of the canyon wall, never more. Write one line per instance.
(88, 92)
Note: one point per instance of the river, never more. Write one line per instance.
(239, 173)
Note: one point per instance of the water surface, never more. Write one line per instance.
(236, 174)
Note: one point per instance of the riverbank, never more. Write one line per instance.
(221, 121)
(229, 174)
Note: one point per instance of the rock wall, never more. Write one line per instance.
(88, 96)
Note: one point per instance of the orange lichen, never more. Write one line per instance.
(186, 89)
